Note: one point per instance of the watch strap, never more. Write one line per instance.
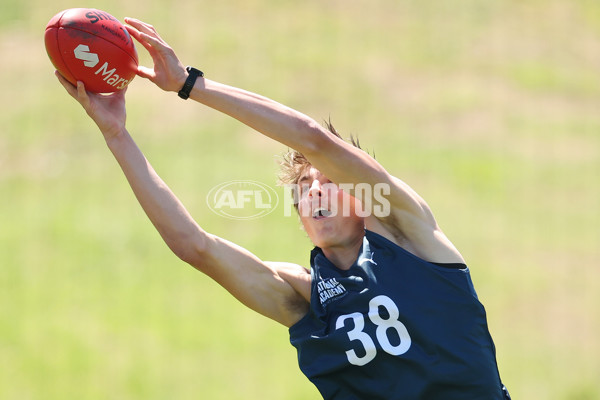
(193, 74)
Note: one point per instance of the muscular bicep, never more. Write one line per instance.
(275, 290)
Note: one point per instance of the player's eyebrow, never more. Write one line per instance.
(303, 178)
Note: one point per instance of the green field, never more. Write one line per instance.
(489, 109)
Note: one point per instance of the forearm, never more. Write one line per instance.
(165, 211)
(266, 116)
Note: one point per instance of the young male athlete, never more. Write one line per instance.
(388, 309)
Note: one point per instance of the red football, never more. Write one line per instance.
(89, 45)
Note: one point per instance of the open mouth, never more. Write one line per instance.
(320, 213)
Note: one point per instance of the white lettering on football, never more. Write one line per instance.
(82, 52)
(110, 77)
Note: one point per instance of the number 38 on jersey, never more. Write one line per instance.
(385, 324)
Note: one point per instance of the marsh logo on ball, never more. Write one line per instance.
(82, 52)
(90, 60)
(242, 199)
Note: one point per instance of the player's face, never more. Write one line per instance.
(327, 212)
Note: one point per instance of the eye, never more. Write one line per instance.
(303, 189)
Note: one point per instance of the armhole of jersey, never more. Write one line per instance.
(449, 266)
(310, 311)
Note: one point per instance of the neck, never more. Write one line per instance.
(343, 256)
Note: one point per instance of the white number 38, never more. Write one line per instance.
(383, 325)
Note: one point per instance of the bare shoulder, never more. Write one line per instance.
(415, 229)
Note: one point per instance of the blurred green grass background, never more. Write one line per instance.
(489, 109)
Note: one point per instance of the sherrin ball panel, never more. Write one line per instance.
(51, 40)
(91, 46)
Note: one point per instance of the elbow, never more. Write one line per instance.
(317, 139)
(191, 250)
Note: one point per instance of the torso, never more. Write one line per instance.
(394, 326)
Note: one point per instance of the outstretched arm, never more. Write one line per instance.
(409, 220)
(268, 117)
(279, 291)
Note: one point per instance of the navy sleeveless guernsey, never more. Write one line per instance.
(395, 327)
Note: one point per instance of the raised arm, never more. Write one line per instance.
(409, 221)
(279, 291)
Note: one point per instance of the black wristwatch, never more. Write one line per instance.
(194, 73)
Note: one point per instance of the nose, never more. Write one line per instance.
(315, 189)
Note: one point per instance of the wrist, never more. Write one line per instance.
(115, 137)
(192, 75)
(181, 80)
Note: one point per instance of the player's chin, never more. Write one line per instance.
(316, 236)
(326, 234)
(321, 241)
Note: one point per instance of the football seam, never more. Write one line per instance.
(100, 37)
(60, 52)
